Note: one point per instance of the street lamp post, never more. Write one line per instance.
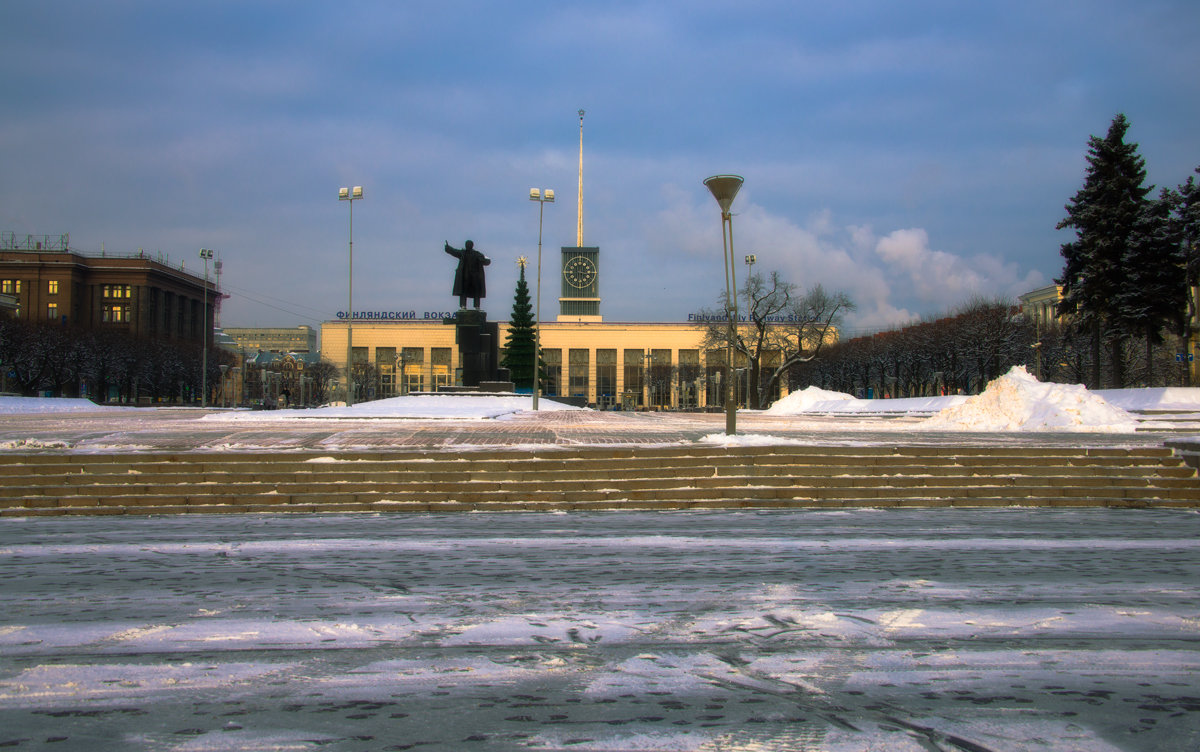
(649, 391)
(724, 188)
(543, 198)
(351, 195)
(206, 254)
(400, 362)
(751, 260)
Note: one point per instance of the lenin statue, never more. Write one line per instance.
(468, 279)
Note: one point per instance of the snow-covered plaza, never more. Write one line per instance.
(960, 630)
(813, 630)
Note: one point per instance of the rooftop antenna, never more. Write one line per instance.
(579, 226)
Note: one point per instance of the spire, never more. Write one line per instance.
(579, 228)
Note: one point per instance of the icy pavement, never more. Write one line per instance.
(843, 631)
(194, 429)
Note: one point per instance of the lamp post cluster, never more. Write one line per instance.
(351, 195)
(543, 197)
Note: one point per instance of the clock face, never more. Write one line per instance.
(580, 272)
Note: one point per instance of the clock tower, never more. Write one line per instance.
(580, 299)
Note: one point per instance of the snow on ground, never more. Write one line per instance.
(427, 406)
(1019, 402)
(1014, 402)
(1013, 629)
(27, 405)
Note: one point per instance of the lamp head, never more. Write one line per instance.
(724, 188)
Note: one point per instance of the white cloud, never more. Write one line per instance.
(893, 279)
(944, 279)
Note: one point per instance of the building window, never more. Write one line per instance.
(52, 311)
(116, 291)
(413, 360)
(715, 377)
(635, 365)
(578, 373)
(552, 357)
(114, 313)
(10, 286)
(660, 378)
(52, 287)
(385, 365)
(606, 378)
(439, 360)
(690, 378)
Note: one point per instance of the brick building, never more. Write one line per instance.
(135, 292)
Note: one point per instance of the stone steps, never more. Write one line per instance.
(47, 483)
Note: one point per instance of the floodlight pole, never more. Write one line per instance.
(206, 254)
(350, 194)
(724, 188)
(543, 198)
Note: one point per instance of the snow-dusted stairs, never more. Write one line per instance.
(592, 478)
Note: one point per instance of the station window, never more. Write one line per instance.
(52, 311)
(635, 382)
(578, 373)
(660, 378)
(413, 362)
(52, 287)
(606, 377)
(10, 286)
(690, 379)
(439, 360)
(552, 357)
(385, 366)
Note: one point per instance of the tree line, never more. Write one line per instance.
(63, 360)
(964, 350)
(111, 365)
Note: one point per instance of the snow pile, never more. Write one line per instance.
(1018, 402)
(804, 400)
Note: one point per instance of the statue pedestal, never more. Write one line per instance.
(478, 346)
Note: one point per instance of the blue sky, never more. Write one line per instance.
(913, 155)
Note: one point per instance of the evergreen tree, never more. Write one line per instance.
(1187, 215)
(1154, 294)
(520, 344)
(1187, 224)
(1104, 214)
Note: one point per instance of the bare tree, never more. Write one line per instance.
(779, 330)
